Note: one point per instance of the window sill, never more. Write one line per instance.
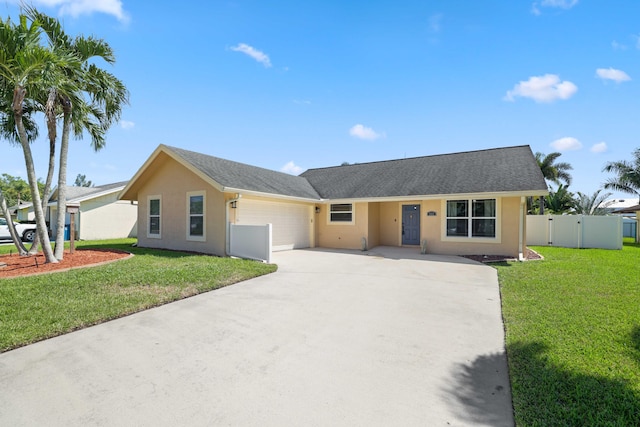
(471, 239)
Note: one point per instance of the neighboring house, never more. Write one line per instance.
(629, 210)
(23, 211)
(101, 215)
(621, 206)
(462, 203)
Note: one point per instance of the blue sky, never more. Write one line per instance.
(290, 85)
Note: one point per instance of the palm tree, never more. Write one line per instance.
(552, 171)
(596, 204)
(559, 201)
(26, 68)
(628, 179)
(90, 99)
(8, 131)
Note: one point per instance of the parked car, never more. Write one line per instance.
(26, 231)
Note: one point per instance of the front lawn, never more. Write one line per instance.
(573, 336)
(38, 307)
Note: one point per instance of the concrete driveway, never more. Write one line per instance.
(387, 337)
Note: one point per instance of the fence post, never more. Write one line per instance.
(580, 230)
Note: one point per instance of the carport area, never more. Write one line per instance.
(334, 338)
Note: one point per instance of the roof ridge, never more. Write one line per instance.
(418, 157)
(232, 161)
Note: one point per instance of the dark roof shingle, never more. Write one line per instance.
(508, 169)
(241, 176)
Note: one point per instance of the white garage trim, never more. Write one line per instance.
(291, 222)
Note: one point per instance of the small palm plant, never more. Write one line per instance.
(560, 201)
(553, 171)
(595, 204)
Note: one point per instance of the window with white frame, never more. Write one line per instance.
(341, 212)
(154, 206)
(196, 216)
(471, 218)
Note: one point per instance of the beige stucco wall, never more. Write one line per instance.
(390, 223)
(172, 182)
(432, 229)
(373, 238)
(343, 236)
(381, 224)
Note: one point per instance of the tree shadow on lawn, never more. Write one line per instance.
(635, 341)
(545, 394)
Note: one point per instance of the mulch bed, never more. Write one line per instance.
(531, 255)
(15, 265)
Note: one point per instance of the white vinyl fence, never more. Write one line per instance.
(575, 231)
(629, 227)
(250, 241)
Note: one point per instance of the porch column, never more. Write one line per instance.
(522, 243)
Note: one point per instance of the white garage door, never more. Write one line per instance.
(291, 222)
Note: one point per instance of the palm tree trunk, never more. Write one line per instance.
(12, 230)
(52, 133)
(62, 180)
(47, 185)
(18, 97)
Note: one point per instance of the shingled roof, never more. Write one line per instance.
(241, 176)
(510, 169)
(499, 170)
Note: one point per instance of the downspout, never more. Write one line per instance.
(521, 242)
(228, 224)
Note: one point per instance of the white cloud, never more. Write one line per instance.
(259, 56)
(302, 101)
(126, 124)
(618, 46)
(435, 22)
(291, 168)
(547, 88)
(363, 132)
(617, 76)
(600, 147)
(566, 144)
(76, 8)
(563, 4)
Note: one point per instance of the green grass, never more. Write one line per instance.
(38, 307)
(573, 336)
